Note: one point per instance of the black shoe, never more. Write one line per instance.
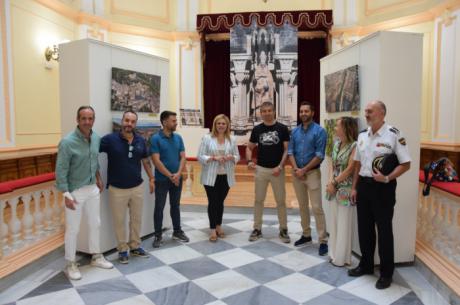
(284, 236)
(255, 235)
(180, 235)
(123, 257)
(323, 249)
(358, 271)
(139, 252)
(303, 241)
(383, 282)
(157, 241)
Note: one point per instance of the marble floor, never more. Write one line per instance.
(231, 271)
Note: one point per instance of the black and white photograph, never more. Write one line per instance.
(263, 68)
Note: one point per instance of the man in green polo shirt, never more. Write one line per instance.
(77, 176)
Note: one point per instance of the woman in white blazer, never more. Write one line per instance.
(218, 155)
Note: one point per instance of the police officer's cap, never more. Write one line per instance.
(385, 163)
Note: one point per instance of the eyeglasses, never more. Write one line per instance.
(130, 153)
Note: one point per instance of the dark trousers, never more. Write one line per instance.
(375, 206)
(216, 197)
(162, 188)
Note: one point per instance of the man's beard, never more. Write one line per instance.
(306, 119)
(128, 129)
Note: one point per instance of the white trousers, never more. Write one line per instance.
(88, 202)
(340, 232)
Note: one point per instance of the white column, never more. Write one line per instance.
(48, 213)
(7, 117)
(446, 78)
(38, 215)
(188, 181)
(57, 211)
(15, 224)
(3, 229)
(27, 219)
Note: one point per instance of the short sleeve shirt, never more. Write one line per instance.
(386, 140)
(124, 159)
(269, 140)
(169, 149)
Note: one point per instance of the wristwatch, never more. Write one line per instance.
(387, 179)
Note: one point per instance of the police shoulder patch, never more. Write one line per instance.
(394, 130)
(402, 141)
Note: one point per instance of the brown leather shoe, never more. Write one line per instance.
(220, 234)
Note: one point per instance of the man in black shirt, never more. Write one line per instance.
(271, 139)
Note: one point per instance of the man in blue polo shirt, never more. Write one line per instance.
(306, 152)
(126, 150)
(168, 155)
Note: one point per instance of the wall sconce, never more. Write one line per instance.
(52, 53)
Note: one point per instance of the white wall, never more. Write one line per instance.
(85, 79)
(390, 66)
(446, 79)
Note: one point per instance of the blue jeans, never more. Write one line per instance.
(162, 188)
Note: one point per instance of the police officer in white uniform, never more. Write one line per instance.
(375, 193)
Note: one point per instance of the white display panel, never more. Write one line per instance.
(85, 79)
(390, 70)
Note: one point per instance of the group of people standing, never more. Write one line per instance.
(78, 177)
(353, 182)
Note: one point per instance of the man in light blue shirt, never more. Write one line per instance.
(168, 155)
(306, 152)
(77, 176)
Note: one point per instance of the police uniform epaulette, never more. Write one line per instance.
(364, 130)
(394, 130)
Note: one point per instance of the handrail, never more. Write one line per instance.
(438, 235)
(31, 224)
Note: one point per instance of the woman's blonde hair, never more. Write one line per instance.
(214, 123)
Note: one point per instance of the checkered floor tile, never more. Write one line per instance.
(230, 271)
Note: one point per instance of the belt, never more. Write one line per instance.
(367, 179)
(316, 167)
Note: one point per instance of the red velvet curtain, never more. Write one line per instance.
(217, 76)
(310, 51)
(216, 86)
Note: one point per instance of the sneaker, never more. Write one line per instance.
(72, 271)
(98, 260)
(180, 235)
(123, 257)
(255, 235)
(284, 236)
(158, 240)
(323, 248)
(303, 241)
(139, 252)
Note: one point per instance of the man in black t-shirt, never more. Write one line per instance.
(271, 139)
